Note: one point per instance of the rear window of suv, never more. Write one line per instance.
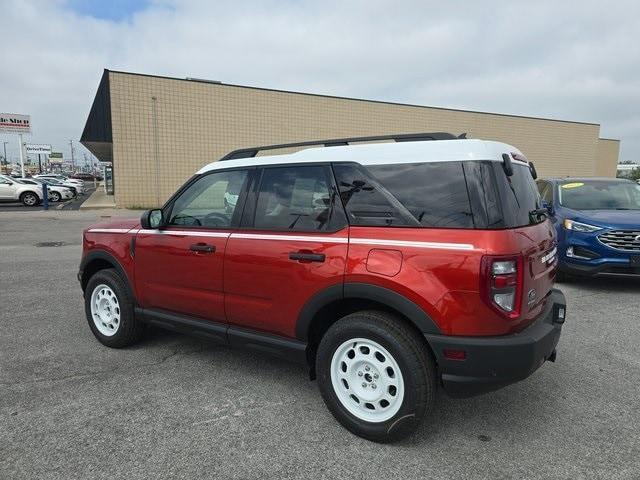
(469, 194)
(519, 195)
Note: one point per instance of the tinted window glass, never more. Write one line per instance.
(367, 202)
(519, 195)
(210, 201)
(490, 195)
(411, 194)
(294, 199)
(600, 195)
(435, 193)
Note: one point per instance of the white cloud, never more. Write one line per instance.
(575, 61)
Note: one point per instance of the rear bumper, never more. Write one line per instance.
(493, 362)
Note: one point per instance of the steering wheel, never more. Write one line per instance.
(182, 219)
(218, 219)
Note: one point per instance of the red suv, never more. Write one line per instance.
(390, 269)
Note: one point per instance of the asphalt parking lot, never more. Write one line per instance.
(178, 407)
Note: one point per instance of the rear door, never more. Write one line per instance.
(293, 244)
(179, 268)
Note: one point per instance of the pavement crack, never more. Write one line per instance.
(96, 373)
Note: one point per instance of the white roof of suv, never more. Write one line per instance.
(382, 153)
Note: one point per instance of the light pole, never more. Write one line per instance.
(73, 160)
(4, 160)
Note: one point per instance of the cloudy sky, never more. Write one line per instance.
(566, 60)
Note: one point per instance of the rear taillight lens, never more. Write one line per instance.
(501, 282)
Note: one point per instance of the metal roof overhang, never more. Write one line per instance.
(96, 135)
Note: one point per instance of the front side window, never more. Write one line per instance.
(294, 199)
(599, 195)
(210, 201)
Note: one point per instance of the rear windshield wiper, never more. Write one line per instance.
(536, 213)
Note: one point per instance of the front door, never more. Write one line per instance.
(179, 267)
(293, 245)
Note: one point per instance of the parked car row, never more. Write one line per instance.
(29, 191)
(89, 177)
(75, 185)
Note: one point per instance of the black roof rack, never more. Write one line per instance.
(401, 137)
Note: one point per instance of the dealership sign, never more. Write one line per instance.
(38, 149)
(13, 123)
(55, 155)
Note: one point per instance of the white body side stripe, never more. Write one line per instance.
(287, 237)
(403, 243)
(108, 230)
(296, 238)
(186, 233)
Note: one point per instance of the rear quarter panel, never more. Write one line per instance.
(440, 271)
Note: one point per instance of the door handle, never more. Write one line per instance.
(202, 247)
(306, 257)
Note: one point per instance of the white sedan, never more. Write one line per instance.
(56, 193)
(52, 178)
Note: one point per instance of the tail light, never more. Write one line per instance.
(501, 284)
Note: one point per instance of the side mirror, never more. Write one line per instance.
(152, 219)
(532, 169)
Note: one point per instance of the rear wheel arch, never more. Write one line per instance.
(338, 301)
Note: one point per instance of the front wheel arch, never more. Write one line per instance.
(29, 192)
(98, 260)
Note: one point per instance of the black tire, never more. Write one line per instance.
(130, 329)
(408, 350)
(55, 196)
(29, 199)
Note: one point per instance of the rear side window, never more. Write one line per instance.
(519, 195)
(410, 194)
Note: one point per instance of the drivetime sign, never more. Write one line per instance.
(14, 123)
(38, 149)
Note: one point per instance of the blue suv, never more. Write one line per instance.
(597, 221)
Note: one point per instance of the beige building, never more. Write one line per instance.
(158, 131)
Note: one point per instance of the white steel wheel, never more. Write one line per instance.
(105, 310)
(367, 380)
